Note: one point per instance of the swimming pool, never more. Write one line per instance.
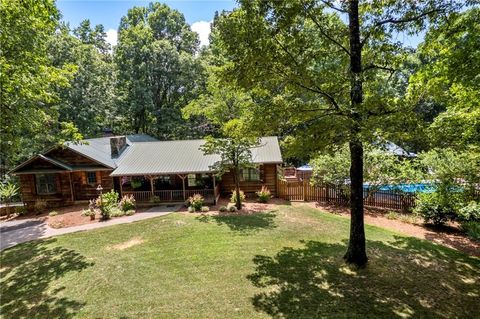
(407, 188)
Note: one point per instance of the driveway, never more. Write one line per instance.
(19, 231)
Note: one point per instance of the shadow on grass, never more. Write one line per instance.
(243, 223)
(405, 278)
(27, 271)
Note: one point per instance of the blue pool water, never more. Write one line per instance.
(407, 188)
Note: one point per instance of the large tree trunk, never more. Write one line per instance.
(238, 202)
(356, 252)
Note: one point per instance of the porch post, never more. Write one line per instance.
(151, 184)
(214, 190)
(183, 184)
(121, 182)
(71, 187)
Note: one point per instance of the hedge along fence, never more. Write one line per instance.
(303, 191)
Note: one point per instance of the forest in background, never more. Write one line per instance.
(61, 82)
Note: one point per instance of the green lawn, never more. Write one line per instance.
(286, 263)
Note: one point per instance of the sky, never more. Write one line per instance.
(198, 13)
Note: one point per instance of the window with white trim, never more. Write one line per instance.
(192, 180)
(46, 184)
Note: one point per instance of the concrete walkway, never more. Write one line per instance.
(19, 231)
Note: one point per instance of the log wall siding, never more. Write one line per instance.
(85, 191)
(29, 191)
(63, 196)
(70, 157)
(269, 179)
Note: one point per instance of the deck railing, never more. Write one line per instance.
(174, 195)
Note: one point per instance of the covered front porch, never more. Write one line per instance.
(171, 187)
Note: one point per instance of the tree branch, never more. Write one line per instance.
(374, 66)
(317, 90)
(331, 6)
(322, 31)
(399, 21)
(405, 20)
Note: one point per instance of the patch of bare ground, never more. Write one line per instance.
(449, 235)
(129, 243)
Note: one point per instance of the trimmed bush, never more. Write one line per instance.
(223, 209)
(470, 212)
(127, 203)
(264, 194)
(232, 209)
(437, 207)
(233, 198)
(53, 213)
(129, 212)
(191, 209)
(205, 209)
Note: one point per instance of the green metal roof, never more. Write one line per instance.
(183, 157)
(98, 149)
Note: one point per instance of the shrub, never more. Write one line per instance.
(232, 209)
(205, 209)
(88, 212)
(469, 213)
(437, 207)
(233, 198)
(129, 212)
(116, 212)
(264, 194)
(154, 199)
(110, 199)
(53, 213)
(223, 209)
(191, 209)
(472, 229)
(20, 210)
(127, 203)
(196, 202)
(391, 215)
(40, 205)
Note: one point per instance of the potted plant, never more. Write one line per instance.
(89, 212)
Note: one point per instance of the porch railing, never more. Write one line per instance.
(175, 195)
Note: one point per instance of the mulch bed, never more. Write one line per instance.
(449, 235)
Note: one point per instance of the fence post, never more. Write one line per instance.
(304, 191)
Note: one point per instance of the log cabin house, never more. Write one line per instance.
(141, 166)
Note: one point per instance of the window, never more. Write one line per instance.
(91, 178)
(192, 180)
(251, 174)
(164, 180)
(46, 183)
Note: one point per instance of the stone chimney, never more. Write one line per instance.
(107, 132)
(117, 145)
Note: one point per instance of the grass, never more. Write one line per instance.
(285, 263)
